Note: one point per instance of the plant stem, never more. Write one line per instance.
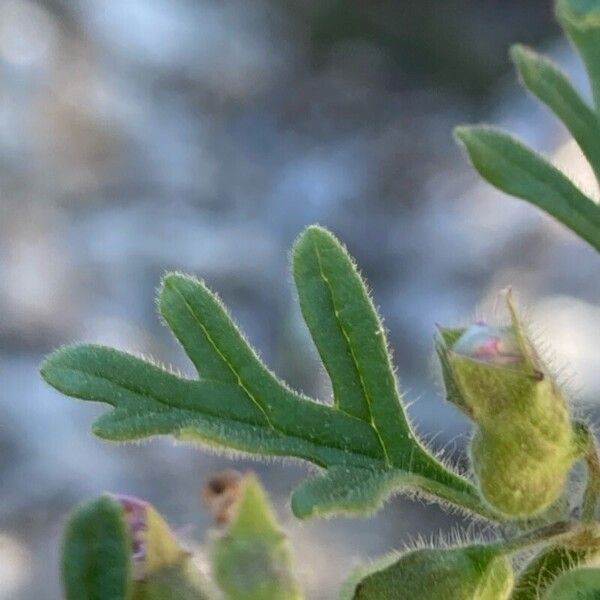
(539, 536)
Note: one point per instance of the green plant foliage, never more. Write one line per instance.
(545, 568)
(472, 572)
(515, 169)
(251, 559)
(550, 85)
(523, 449)
(581, 584)
(96, 559)
(581, 20)
(238, 403)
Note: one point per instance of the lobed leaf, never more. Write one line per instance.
(360, 490)
(517, 170)
(238, 403)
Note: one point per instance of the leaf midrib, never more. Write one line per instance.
(351, 351)
(198, 414)
(225, 359)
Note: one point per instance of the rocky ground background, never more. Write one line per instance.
(203, 135)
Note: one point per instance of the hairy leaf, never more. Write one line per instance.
(459, 573)
(238, 403)
(581, 20)
(581, 584)
(544, 568)
(546, 81)
(517, 170)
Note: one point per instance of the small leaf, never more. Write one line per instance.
(546, 81)
(96, 559)
(581, 584)
(544, 568)
(461, 573)
(517, 170)
(150, 401)
(239, 403)
(581, 20)
(357, 490)
(251, 559)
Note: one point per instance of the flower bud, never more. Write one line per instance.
(162, 568)
(525, 444)
(251, 556)
(444, 574)
(120, 547)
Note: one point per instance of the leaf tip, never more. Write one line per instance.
(520, 52)
(462, 133)
(53, 363)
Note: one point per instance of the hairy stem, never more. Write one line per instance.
(539, 536)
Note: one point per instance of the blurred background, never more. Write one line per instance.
(203, 135)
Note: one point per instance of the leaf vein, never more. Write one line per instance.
(351, 351)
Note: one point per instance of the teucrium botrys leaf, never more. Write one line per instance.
(238, 403)
(525, 443)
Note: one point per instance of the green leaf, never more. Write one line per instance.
(238, 403)
(459, 573)
(581, 21)
(359, 490)
(96, 558)
(546, 81)
(517, 170)
(544, 568)
(251, 559)
(581, 584)
(349, 336)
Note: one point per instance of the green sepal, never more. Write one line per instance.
(525, 443)
(96, 555)
(181, 581)
(251, 559)
(464, 573)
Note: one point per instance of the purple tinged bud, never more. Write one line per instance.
(485, 343)
(134, 511)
